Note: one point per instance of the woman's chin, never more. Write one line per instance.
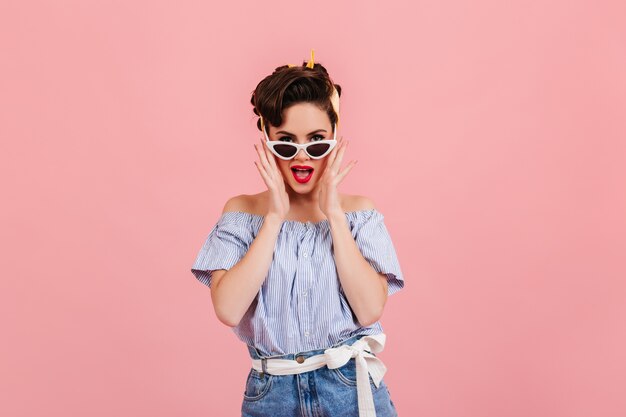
(301, 188)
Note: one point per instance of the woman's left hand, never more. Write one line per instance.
(330, 179)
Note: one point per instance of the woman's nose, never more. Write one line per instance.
(301, 155)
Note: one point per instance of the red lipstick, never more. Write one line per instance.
(302, 173)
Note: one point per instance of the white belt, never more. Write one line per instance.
(366, 364)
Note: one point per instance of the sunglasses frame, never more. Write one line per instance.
(271, 143)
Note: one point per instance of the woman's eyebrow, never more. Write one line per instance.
(292, 134)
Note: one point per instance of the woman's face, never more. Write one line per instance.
(302, 123)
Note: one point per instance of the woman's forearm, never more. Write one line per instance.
(237, 288)
(365, 289)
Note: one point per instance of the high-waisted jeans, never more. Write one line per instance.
(323, 392)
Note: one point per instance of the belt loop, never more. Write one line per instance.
(263, 367)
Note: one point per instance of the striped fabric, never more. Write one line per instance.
(301, 305)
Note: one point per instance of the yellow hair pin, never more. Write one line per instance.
(309, 64)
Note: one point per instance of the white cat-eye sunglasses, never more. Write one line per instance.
(287, 150)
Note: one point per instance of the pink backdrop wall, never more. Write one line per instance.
(491, 135)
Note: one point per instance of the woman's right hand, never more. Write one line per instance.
(279, 199)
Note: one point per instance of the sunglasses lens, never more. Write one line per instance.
(318, 149)
(285, 150)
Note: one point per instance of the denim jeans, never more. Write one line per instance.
(322, 392)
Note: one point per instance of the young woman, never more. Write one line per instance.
(300, 271)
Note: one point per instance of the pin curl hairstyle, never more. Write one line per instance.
(287, 86)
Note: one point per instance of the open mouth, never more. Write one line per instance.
(302, 174)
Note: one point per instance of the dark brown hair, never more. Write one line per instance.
(287, 86)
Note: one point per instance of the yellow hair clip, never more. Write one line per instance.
(309, 64)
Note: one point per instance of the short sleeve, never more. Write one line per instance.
(227, 242)
(372, 238)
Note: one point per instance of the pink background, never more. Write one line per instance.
(490, 134)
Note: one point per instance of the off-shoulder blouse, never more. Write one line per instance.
(301, 305)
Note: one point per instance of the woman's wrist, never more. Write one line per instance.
(274, 218)
(336, 218)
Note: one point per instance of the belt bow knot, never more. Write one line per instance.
(366, 364)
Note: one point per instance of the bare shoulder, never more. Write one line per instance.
(239, 202)
(357, 202)
(248, 203)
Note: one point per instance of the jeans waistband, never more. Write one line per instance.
(255, 354)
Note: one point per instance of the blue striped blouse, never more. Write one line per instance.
(301, 305)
